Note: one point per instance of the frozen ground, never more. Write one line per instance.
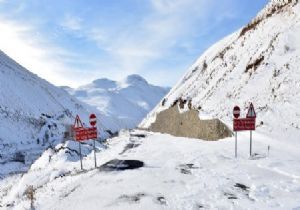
(178, 173)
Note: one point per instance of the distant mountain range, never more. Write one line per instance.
(128, 100)
(34, 114)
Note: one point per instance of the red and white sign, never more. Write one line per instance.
(93, 120)
(251, 112)
(236, 112)
(81, 133)
(77, 123)
(91, 133)
(244, 124)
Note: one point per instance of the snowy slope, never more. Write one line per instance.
(178, 173)
(182, 173)
(128, 100)
(259, 64)
(33, 115)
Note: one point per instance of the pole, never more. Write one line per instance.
(250, 143)
(95, 153)
(235, 144)
(80, 156)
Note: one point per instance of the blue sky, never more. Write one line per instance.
(72, 42)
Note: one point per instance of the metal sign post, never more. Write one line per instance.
(80, 155)
(244, 124)
(82, 134)
(251, 115)
(250, 143)
(95, 153)
(236, 114)
(235, 144)
(93, 122)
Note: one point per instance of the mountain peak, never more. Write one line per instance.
(135, 79)
(104, 83)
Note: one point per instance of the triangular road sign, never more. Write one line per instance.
(251, 112)
(77, 123)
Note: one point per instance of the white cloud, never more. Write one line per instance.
(155, 35)
(129, 49)
(72, 23)
(21, 43)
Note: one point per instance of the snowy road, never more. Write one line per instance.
(178, 173)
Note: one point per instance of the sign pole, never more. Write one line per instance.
(250, 143)
(80, 156)
(82, 133)
(235, 144)
(95, 153)
(93, 122)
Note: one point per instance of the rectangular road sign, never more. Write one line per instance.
(82, 134)
(91, 133)
(244, 124)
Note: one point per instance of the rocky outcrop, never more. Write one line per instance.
(188, 124)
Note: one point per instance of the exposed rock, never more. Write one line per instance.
(188, 124)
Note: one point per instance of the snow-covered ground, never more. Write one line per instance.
(128, 100)
(258, 65)
(178, 173)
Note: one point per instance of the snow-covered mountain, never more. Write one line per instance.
(145, 170)
(34, 113)
(128, 100)
(259, 63)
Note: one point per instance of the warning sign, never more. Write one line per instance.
(81, 133)
(251, 112)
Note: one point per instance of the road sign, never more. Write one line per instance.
(91, 133)
(244, 124)
(77, 123)
(251, 112)
(236, 112)
(93, 120)
(82, 134)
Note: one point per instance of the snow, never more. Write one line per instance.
(178, 173)
(220, 79)
(24, 98)
(128, 100)
(34, 114)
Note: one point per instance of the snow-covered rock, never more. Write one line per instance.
(259, 63)
(128, 100)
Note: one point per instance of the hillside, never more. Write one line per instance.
(128, 100)
(139, 169)
(33, 116)
(259, 63)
